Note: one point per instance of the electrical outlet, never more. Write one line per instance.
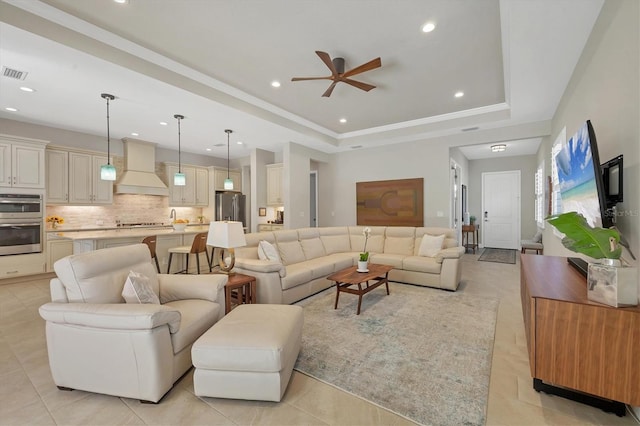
(440, 213)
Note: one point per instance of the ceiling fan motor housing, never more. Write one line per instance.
(338, 63)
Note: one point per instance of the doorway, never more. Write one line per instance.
(313, 199)
(501, 209)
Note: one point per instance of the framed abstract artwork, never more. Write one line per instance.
(390, 202)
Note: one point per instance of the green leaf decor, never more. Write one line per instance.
(580, 237)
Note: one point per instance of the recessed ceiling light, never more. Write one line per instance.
(428, 27)
(27, 89)
(459, 94)
(240, 143)
(134, 134)
(207, 149)
(163, 123)
(343, 120)
(11, 109)
(121, 1)
(275, 83)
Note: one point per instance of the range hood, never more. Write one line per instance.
(139, 176)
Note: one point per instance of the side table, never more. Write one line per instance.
(240, 288)
(473, 230)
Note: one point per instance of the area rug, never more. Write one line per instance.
(498, 255)
(422, 353)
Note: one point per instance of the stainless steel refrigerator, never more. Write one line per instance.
(230, 206)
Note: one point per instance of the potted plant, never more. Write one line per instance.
(472, 220)
(607, 281)
(363, 261)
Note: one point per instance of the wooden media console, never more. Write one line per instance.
(575, 344)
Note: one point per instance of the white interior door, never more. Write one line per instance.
(501, 209)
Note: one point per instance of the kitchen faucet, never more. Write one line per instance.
(173, 215)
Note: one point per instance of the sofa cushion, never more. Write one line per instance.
(312, 248)
(335, 239)
(267, 251)
(291, 252)
(320, 267)
(430, 245)
(450, 237)
(375, 243)
(197, 316)
(394, 260)
(399, 240)
(342, 260)
(421, 264)
(90, 278)
(137, 289)
(296, 274)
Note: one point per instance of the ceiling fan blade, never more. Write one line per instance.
(360, 85)
(311, 78)
(327, 93)
(372, 64)
(327, 61)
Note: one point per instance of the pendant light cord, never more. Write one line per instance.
(108, 97)
(228, 132)
(179, 149)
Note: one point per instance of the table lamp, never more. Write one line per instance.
(227, 236)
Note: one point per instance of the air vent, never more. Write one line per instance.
(13, 73)
(355, 146)
(220, 144)
(469, 129)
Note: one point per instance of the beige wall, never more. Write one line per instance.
(605, 89)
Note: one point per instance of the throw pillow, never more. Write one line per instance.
(137, 289)
(430, 245)
(266, 251)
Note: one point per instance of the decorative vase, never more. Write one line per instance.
(363, 265)
(610, 283)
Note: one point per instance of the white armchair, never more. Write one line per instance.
(98, 343)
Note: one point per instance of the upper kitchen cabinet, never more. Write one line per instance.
(275, 196)
(22, 162)
(85, 185)
(57, 176)
(220, 175)
(196, 188)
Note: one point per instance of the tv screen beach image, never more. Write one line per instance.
(576, 174)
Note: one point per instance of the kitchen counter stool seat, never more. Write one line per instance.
(198, 246)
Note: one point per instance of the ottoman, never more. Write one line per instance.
(248, 354)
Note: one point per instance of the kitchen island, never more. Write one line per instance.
(88, 240)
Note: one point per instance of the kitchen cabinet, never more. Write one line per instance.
(22, 162)
(195, 192)
(202, 187)
(220, 175)
(57, 249)
(57, 176)
(85, 185)
(265, 227)
(21, 265)
(275, 196)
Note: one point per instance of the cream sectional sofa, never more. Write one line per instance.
(309, 255)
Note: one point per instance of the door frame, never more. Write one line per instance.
(518, 236)
(313, 197)
(455, 193)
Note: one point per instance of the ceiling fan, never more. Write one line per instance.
(336, 66)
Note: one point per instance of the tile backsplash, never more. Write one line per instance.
(127, 208)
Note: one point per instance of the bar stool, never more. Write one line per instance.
(198, 246)
(151, 243)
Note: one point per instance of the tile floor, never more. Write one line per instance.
(29, 397)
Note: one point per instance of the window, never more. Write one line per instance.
(539, 193)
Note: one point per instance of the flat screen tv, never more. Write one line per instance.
(612, 179)
(580, 177)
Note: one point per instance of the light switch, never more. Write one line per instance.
(440, 213)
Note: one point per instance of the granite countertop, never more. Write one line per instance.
(105, 234)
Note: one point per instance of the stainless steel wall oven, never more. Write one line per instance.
(21, 221)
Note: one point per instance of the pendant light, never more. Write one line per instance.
(179, 179)
(107, 171)
(228, 183)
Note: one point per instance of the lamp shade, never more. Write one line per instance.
(226, 235)
(107, 172)
(228, 184)
(179, 179)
